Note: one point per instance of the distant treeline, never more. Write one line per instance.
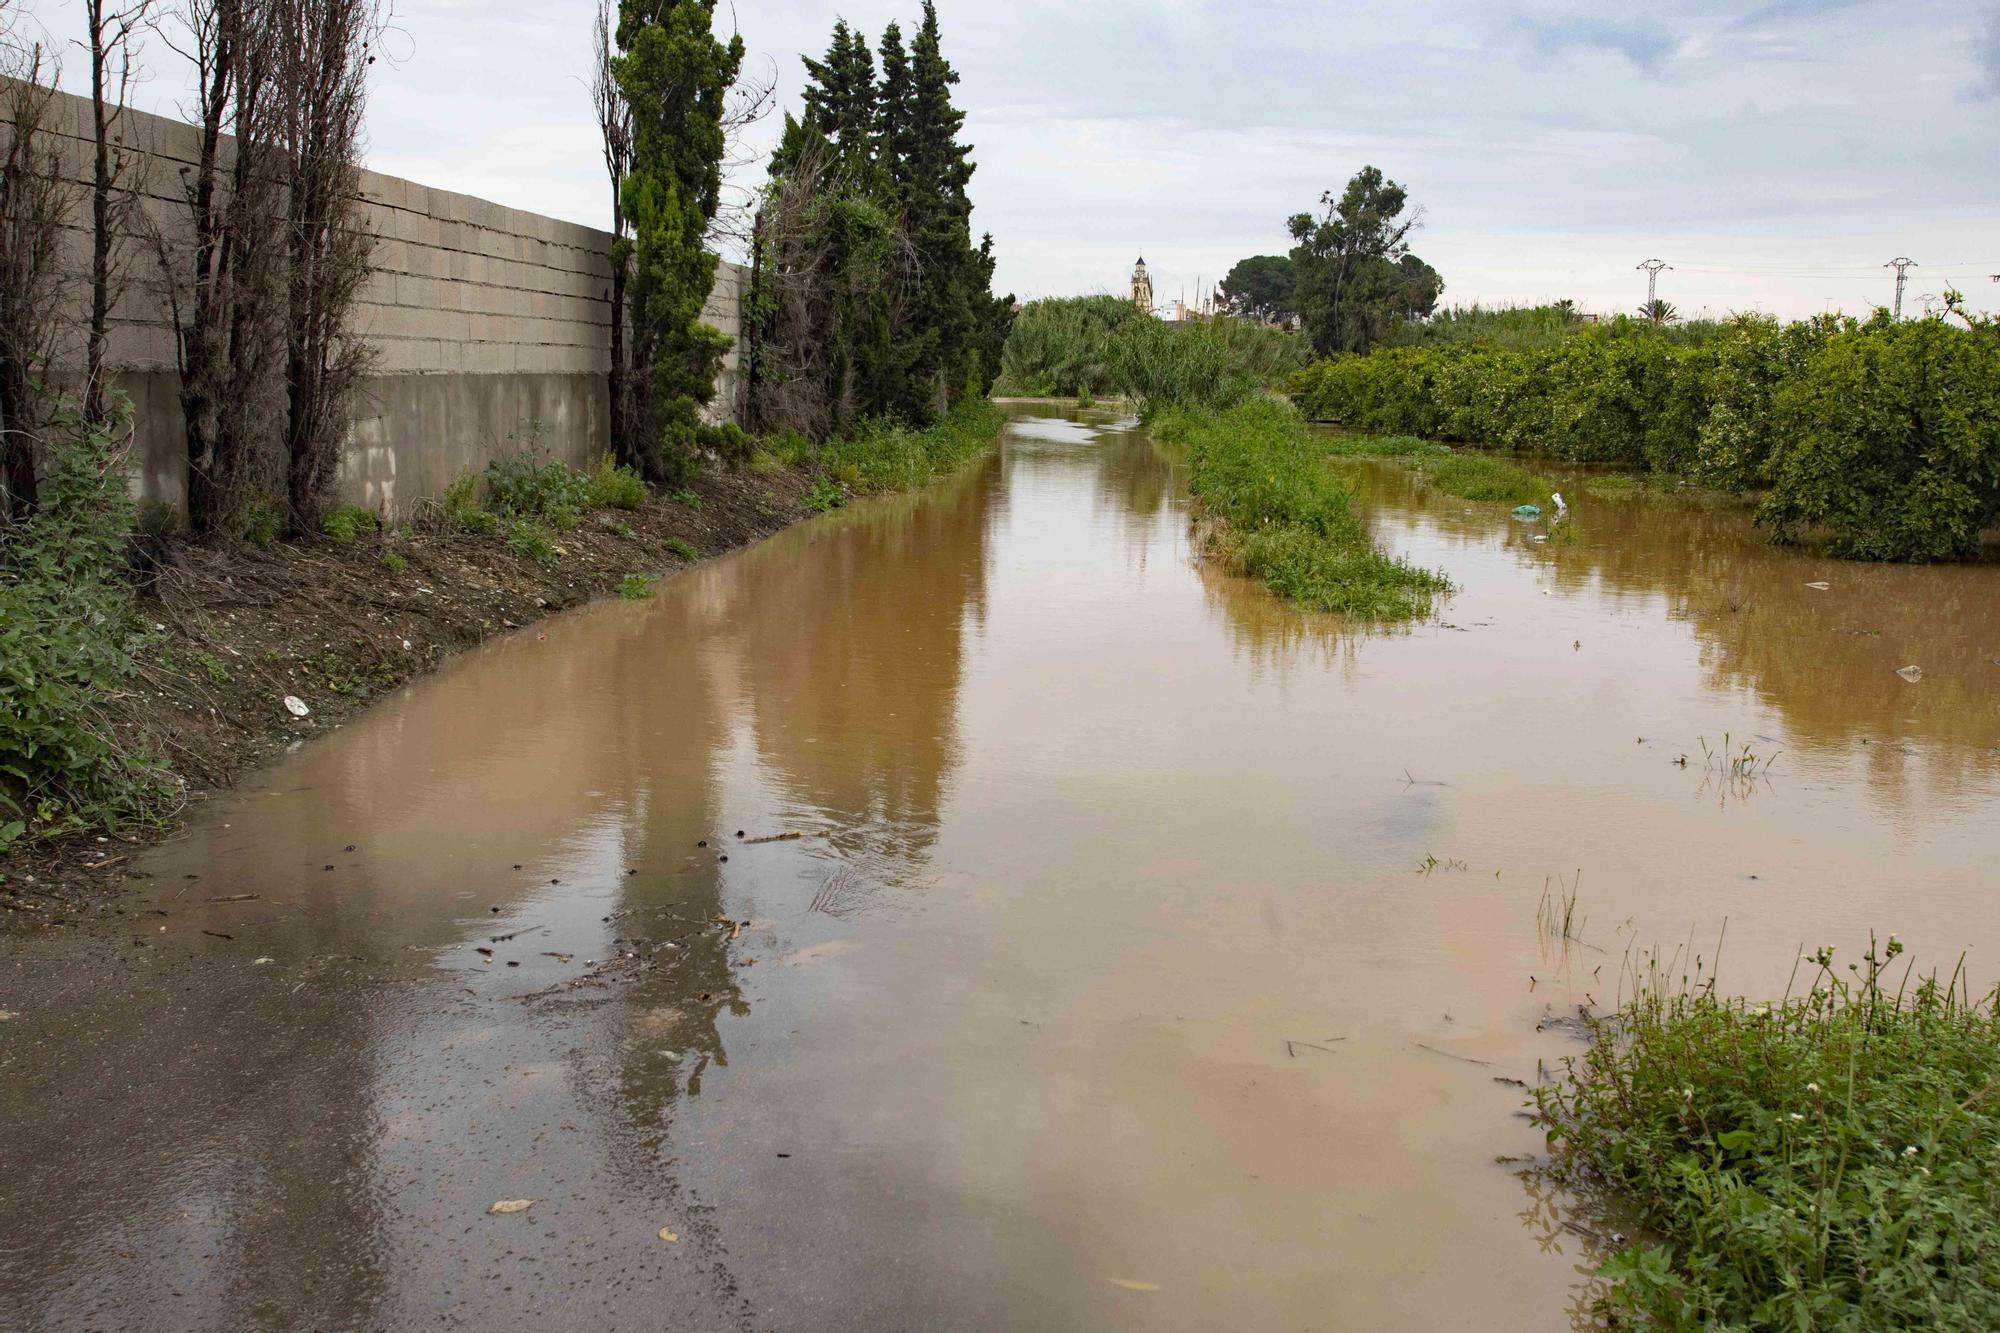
(1881, 436)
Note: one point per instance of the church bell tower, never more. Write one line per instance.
(1142, 286)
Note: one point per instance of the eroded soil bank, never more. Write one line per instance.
(1106, 944)
(237, 629)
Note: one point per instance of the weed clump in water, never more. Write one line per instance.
(1476, 477)
(1276, 512)
(1828, 1162)
(1466, 475)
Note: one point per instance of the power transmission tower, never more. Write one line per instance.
(1652, 268)
(1902, 266)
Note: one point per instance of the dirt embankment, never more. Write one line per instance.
(237, 629)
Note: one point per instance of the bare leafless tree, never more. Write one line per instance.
(751, 99)
(802, 377)
(36, 204)
(111, 32)
(323, 49)
(614, 128)
(225, 284)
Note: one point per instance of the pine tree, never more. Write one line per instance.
(673, 74)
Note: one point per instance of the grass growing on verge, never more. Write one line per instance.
(1828, 1162)
(885, 456)
(1468, 476)
(1473, 477)
(1275, 511)
(1382, 446)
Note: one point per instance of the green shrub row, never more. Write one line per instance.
(1274, 510)
(1884, 436)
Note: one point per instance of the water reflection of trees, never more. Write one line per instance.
(1825, 659)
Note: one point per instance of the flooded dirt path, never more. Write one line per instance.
(1149, 957)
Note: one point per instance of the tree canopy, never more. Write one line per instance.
(674, 74)
(875, 299)
(1260, 288)
(1355, 278)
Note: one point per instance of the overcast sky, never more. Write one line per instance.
(1775, 154)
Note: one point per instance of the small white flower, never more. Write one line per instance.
(1687, 1094)
(1812, 1087)
(1797, 1116)
(1910, 1151)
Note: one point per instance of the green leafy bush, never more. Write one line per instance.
(532, 540)
(345, 522)
(67, 641)
(613, 487)
(1889, 440)
(395, 562)
(529, 485)
(635, 587)
(258, 522)
(1274, 510)
(1828, 1162)
(682, 548)
(460, 508)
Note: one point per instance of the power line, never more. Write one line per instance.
(1902, 264)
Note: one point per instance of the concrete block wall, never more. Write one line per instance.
(490, 326)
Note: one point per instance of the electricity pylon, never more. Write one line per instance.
(1653, 267)
(1902, 265)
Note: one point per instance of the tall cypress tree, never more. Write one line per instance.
(841, 96)
(932, 177)
(892, 106)
(673, 74)
(886, 304)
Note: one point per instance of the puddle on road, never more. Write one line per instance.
(1131, 971)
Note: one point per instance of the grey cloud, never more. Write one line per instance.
(1986, 54)
(1647, 48)
(1781, 10)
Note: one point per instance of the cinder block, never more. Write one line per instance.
(408, 356)
(390, 255)
(387, 191)
(418, 228)
(380, 288)
(491, 358)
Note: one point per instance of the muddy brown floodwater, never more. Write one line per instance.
(1151, 956)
